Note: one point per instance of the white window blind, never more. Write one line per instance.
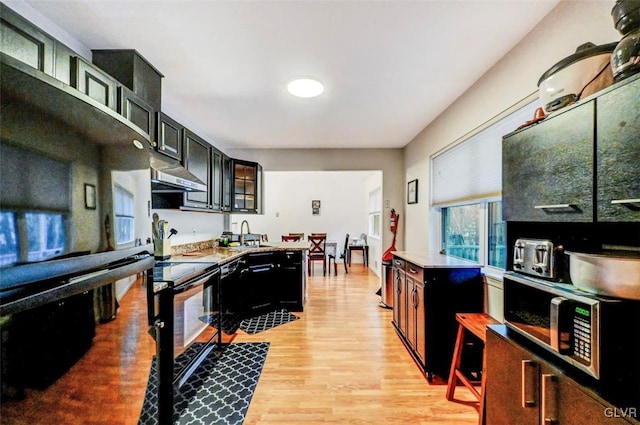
(472, 169)
(124, 210)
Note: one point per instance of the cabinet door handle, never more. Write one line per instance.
(549, 399)
(529, 383)
(414, 298)
(556, 207)
(625, 201)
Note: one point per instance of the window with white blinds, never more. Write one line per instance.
(472, 169)
(124, 210)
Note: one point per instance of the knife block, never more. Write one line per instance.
(161, 249)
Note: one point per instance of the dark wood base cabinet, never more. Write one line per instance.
(524, 389)
(425, 303)
(266, 281)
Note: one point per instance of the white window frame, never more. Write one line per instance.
(375, 214)
(128, 213)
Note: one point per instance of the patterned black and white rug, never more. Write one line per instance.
(218, 392)
(267, 321)
(232, 322)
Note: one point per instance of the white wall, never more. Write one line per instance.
(192, 226)
(343, 200)
(512, 79)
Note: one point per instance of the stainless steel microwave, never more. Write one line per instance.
(599, 336)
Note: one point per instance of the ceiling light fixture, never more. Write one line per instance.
(305, 87)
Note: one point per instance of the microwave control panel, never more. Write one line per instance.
(582, 335)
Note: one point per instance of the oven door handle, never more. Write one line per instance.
(198, 281)
(262, 268)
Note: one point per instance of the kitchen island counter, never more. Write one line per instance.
(223, 255)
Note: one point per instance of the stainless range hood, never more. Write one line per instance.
(170, 176)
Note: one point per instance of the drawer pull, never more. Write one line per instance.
(529, 381)
(413, 271)
(556, 207)
(625, 201)
(549, 399)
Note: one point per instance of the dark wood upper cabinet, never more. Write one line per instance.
(618, 150)
(136, 110)
(133, 71)
(246, 182)
(25, 42)
(547, 169)
(579, 164)
(169, 136)
(216, 179)
(124, 84)
(227, 178)
(93, 82)
(197, 160)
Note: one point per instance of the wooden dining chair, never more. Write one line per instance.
(317, 252)
(339, 256)
(289, 238)
(300, 235)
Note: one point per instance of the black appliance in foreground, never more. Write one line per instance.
(183, 302)
(54, 300)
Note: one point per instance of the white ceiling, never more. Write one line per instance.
(389, 67)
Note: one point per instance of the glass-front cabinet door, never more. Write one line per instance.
(245, 186)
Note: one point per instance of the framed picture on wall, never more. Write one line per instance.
(412, 192)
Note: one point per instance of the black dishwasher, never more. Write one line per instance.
(290, 285)
(257, 282)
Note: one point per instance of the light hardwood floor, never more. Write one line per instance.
(341, 363)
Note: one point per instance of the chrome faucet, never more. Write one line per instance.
(242, 232)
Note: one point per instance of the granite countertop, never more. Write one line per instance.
(223, 255)
(434, 260)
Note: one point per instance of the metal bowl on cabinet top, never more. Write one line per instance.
(609, 274)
